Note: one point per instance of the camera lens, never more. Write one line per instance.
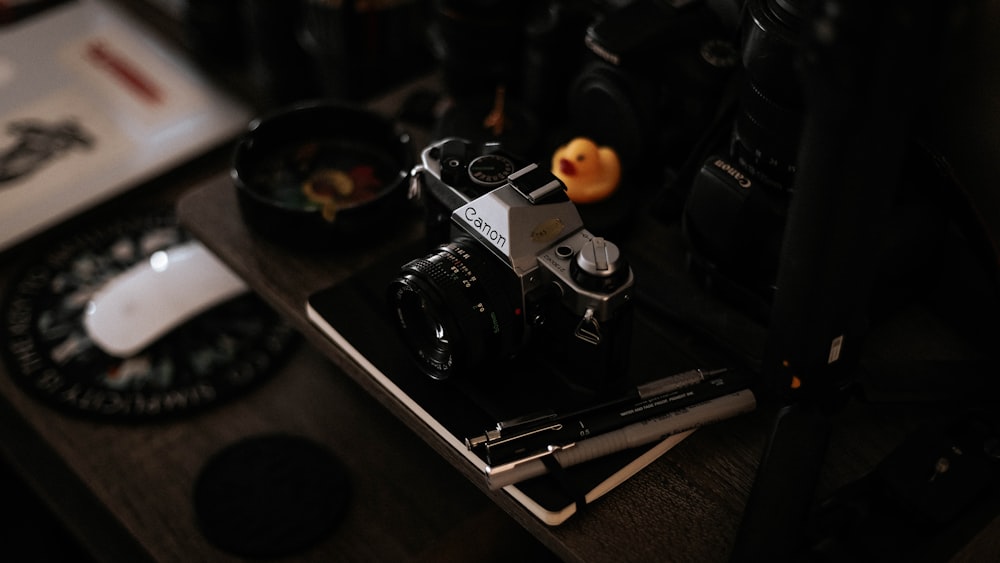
(451, 311)
(771, 108)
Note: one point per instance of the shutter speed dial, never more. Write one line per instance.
(490, 170)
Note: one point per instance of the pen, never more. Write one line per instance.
(535, 421)
(638, 434)
(606, 418)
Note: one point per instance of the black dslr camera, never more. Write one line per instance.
(654, 78)
(517, 274)
(735, 213)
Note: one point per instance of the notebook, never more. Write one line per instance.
(92, 104)
(353, 315)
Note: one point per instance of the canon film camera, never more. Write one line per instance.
(517, 274)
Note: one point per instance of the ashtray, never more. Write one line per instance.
(316, 172)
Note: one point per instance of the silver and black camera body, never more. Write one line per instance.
(516, 275)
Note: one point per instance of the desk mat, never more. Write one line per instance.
(220, 353)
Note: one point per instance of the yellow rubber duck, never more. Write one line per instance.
(591, 173)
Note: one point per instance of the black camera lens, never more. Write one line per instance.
(451, 311)
(477, 43)
(771, 108)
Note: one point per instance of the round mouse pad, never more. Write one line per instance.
(270, 496)
(216, 355)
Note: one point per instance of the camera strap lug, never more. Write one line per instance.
(415, 192)
(589, 329)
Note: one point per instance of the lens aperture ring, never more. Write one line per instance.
(477, 297)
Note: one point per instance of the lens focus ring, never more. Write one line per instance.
(464, 317)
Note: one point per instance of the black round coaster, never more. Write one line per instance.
(270, 496)
(212, 357)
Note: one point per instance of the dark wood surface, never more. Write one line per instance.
(125, 491)
(688, 504)
(684, 507)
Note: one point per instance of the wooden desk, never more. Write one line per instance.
(688, 505)
(126, 491)
(684, 507)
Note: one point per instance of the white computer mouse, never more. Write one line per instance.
(138, 306)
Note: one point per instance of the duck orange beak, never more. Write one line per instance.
(566, 166)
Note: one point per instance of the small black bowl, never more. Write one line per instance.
(317, 173)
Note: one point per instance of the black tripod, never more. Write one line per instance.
(858, 70)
